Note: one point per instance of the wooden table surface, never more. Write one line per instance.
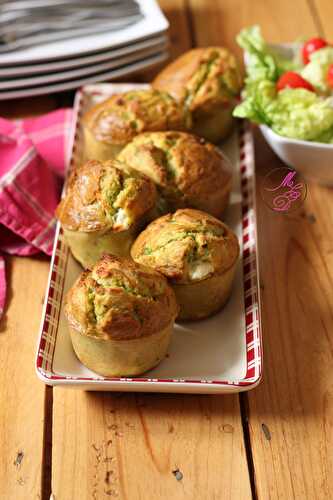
(272, 443)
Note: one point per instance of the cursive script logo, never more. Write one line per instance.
(283, 190)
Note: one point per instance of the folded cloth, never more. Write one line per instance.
(34, 153)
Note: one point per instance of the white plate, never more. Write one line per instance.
(218, 355)
(119, 62)
(152, 23)
(100, 77)
(60, 65)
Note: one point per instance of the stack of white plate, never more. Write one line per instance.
(70, 63)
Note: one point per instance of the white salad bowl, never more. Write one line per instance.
(313, 160)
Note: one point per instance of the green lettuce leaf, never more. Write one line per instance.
(302, 114)
(259, 98)
(262, 63)
(326, 136)
(294, 113)
(315, 71)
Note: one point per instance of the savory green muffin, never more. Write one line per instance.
(187, 170)
(110, 125)
(206, 81)
(103, 209)
(120, 317)
(197, 253)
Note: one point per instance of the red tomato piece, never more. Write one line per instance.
(311, 46)
(293, 80)
(330, 75)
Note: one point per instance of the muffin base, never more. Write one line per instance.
(204, 298)
(117, 358)
(215, 126)
(87, 248)
(99, 150)
(217, 203)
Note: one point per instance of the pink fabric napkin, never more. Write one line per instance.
(33, 156)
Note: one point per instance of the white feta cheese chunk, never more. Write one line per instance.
(121, 219)
(198, 270)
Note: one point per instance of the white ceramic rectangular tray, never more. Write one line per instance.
(222, 354)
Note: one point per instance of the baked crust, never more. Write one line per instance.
(187, 246)
(188, 171)
(121, 117)
(206, 82)
(120, 299)
(201, 78)
(101, 196)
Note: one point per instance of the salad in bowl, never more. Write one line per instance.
(289, 92)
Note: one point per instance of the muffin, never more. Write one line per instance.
(206, 81)
(197, 253)
(188, 171)
(110, 125)
(103, 209)
(120, 317)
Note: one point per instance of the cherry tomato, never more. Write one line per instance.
(294, 81)
(311, 46)
(330, 75)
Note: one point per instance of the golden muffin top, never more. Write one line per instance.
(121, 117)
(201, 77)
(120, 299)
(188, 171)
(187, 246)
(101, 196)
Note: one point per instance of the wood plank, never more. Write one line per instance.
(290, 413)
(28, 106)
(24, 402)
(179, 35)
(149, 446)
(137, 447)
(179, 29)
(323, 12)
(281, 21)
(21, 394)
